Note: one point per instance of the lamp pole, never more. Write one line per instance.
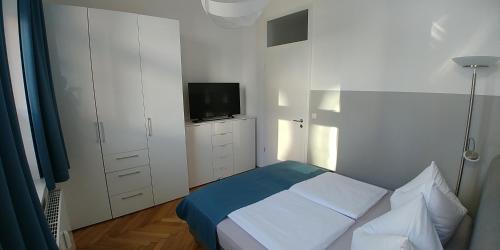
(467, 129)
(474, 63)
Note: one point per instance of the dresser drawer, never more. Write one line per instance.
(127, 160)
(222, 139)
(223, 172)
(223, 161)
(222, 127)
(128, 180)
(131, 201)
(223, 150)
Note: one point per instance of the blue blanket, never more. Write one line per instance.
(208, 206)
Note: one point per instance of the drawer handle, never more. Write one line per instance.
(128, 174)
(132, 196)
(127, 157)
(224, 145)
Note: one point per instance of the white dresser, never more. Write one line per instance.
(218, 149)
(118, 85)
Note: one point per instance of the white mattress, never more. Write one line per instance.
(342, 194)
(289, 221)
(233, 237)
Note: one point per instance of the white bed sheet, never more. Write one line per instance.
(289, 221)
(342, 194)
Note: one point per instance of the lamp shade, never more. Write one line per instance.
(476, 61)
(234, 13)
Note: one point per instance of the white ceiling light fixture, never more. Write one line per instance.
(234, 13)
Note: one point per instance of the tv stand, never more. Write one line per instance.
(220, 148)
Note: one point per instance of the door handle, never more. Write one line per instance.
(299, 121)
(103, 134)
(150, 127)
(97, 133)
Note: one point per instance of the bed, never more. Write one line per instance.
(231, 236)
(207, 210)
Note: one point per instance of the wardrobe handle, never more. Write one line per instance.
(127, 157)
(150, 127)
(128, 174)
(97, 136)
(132, 196)
(103, 134)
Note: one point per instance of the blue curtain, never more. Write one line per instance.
(22, 222)
(49, 143)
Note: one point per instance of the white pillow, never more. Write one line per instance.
(365, 240)
(389, 231)
(445, 209)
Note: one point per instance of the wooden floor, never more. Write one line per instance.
(154, 228)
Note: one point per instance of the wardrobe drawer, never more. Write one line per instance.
(223, 150)
(128, 180)
(126, 160)
(222, 139)
(129, 202)
(222, 127)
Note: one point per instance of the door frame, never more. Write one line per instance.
(309, 8)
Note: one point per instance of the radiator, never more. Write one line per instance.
(58, 221)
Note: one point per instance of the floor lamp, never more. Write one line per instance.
(474, 63)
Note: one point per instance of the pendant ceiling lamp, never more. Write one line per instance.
(234, 13)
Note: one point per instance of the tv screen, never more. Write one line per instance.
(213, 100)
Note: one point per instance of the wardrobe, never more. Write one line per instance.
(118, 86)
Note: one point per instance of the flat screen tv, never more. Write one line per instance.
(208, 101)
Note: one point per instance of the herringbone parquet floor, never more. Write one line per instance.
(154, 228)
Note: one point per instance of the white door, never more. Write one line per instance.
(114, 43)
(68, 41)
(287, 83)
(162, 79)
(244, 145)
(199, 151)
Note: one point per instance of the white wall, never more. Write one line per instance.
(209, 53)
(398, 46)
(17, 78)
(407, 46)
(403, 45)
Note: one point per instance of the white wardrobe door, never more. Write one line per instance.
(244, 145)
(85, 193)
(114, 43)
(162, 80)
(199, 149)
